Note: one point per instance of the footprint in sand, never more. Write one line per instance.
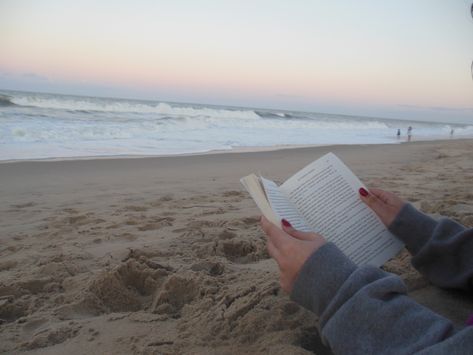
(157, 223)
(161, 200)
(135, 208)
(52, 336)
(7, 264)
(10, 310)
(245, 222)
(205, 224)
(176, 292)
(24, 205)
(239, 251)
(234, 194)
(210, 267)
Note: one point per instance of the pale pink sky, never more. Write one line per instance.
(371, 57)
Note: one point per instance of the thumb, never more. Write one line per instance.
(289, 229)
(373, 202)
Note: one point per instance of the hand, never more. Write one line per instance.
(290, 248)
(385, 204)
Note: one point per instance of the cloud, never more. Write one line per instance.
(34, 76)
(28, 78)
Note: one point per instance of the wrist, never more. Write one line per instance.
(320, 277)
(412, 227)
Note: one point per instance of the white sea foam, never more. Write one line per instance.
(34, 126)
(110, 105)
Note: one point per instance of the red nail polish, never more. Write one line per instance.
(363, 192)
(286, 223)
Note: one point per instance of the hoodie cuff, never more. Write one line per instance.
(413, 227)
(320, 278)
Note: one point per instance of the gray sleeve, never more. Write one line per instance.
(366, 310)
(442, 250)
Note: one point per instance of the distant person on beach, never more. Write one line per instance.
(409, 133)
(398, 134)
(365, 310)
(451, 132)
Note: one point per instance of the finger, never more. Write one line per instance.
(386, 211)
(372, 200)
(385, 196)
(299, 234)
(389, 198)
(274, 234)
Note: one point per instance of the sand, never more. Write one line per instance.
(165, 255)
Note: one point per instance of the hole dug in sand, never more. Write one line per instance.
(126, 288)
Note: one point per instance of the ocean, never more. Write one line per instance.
(51, 126)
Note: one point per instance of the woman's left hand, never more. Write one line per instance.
(290, 248)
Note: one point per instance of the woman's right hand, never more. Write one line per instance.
(385, 204)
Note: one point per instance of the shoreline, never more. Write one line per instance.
(238, 150)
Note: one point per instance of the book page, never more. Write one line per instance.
(282, 207)
(326, 194)
(253, 185)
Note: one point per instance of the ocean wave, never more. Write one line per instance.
(270, 114)
(166, 109)
(85, 105)
(6, 100)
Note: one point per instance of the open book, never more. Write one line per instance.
(323, 198)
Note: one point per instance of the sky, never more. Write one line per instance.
(406, 59)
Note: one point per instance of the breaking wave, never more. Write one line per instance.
(6, 100)
(90, 105)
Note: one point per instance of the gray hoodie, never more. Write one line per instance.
(364, 310)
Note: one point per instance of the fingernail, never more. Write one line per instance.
(363, 192)
(285, 223)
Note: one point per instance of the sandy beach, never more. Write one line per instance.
(165, 255)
